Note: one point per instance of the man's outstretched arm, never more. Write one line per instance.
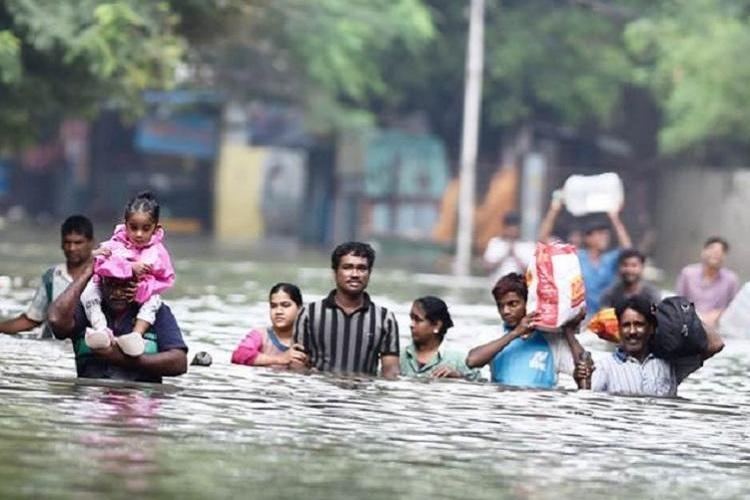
(21, 323)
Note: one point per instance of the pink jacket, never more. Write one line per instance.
(125, 253)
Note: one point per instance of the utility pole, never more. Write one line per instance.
(470, 137)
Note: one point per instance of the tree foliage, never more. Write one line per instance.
(323, 55)
(692, 56)
(347, 61)
(566, 65)
(67, 57)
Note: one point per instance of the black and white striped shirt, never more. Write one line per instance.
(350, 343)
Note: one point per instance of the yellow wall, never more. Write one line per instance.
(239, 175)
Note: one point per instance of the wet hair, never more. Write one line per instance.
(512, 282)
(78, 224)
(512, 219)
(639, 303)
(143, 202)
(356, 248)
(436, 310)
(630, 253)
(289, 289)
(717, 239)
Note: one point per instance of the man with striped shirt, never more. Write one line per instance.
(633, 369)
(346, 332)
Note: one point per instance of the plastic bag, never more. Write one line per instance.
(586, 194)
(604, 325)
(556, 289)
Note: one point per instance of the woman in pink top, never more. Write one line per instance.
(272, 346)
(134, 251)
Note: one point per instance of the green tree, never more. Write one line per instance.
(691, 55)
(562, 63)
(323, 55)
(68, 57)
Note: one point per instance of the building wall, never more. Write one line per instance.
(258, 192)
(694, 203)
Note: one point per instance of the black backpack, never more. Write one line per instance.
(679, 330)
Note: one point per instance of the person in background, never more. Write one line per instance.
(346, 332)
(507, 253)
(598, 263)
(524, 356)
(708, 284)
(630, 268)
(272, 346)
(633, 369)
(425, 356)
(574, 235)
(77, 235)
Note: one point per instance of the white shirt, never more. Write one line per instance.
(619, 373)
(498, 253)
(37, 310)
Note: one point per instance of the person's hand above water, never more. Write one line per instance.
(141, 268)
(298, 358)
(583, 371)
(526, 325)
(445, 371)
(111, 354)
(293, 355)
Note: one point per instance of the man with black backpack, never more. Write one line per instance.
(77, 242)
(659, 347)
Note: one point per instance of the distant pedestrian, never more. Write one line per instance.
(708, 284)
(507, 253)
(598, 262)
(630, 282)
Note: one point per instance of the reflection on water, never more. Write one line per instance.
(231, 431)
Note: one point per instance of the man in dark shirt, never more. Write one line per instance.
(630, 267)
(347, 332)
(166, 352)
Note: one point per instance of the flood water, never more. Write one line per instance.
(232, 432)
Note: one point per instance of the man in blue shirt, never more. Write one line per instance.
(166, 352)
(524, 356)
(598, 265)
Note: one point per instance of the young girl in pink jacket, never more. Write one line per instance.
(135, 250)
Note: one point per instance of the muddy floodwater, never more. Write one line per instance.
(237, 432)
